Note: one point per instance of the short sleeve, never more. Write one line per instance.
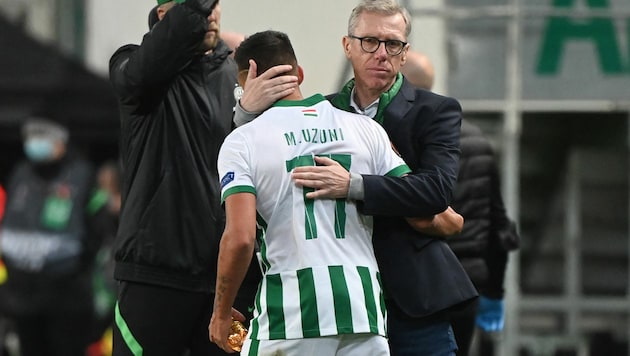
(234, 166)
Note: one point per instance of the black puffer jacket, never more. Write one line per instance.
(488, 233)
(176, 107)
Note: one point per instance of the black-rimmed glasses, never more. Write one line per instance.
(371, 45)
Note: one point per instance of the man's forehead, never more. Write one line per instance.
(376, 22)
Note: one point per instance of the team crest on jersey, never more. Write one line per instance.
(227, 178)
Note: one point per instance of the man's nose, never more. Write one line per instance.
(213, 15)
(381, 52)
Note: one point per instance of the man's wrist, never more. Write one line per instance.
(355, 189)
(242, 116)
(247, 111)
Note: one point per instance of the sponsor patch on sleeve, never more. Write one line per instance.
(227, 178)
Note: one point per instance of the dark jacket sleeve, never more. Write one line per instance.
(502, 238)
(427, 137)
(170, 45)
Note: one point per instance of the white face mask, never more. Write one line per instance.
(39, 149)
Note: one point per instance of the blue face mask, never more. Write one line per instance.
(39, 149)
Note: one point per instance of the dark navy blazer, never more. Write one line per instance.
(420, 273)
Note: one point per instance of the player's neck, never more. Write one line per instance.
(295, 95)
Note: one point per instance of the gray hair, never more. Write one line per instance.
(385, 7)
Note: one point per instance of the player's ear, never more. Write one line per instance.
(300, 74)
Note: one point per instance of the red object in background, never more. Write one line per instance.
(3, 200)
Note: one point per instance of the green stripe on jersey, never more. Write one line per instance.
(341, 298)
(261, 234)
(275, 310)
(309, 215)
(370, 302)
(345, 160)
(253, 348)
(310, 227)
(237, 189)
(340, 218)
(308, 303)
(255, 324)
(300, 161)
(399, 171)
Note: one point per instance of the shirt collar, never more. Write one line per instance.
(369, 110)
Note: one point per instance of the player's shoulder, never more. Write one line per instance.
(240, 132)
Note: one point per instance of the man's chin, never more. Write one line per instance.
(379, 83)
(210, 43)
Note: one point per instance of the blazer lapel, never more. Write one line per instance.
(402, 102)
(396, 116)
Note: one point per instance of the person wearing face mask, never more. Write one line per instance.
(46, 246)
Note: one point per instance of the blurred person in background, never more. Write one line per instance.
(46, 244)
(105, 207)
(418, 70)
(488, 234)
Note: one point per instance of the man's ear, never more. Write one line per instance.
(300, 74)
(161, 11)
(345, 42)
(403, 55)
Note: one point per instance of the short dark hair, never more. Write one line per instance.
(267, 48)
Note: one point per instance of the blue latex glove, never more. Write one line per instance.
(490, 314)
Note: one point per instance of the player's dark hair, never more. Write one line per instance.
(267, 48)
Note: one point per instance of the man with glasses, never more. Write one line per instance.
(422, 278)
(371, 45)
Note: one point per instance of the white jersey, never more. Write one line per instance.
(321, 276)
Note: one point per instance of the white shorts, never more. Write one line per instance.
(335, 345)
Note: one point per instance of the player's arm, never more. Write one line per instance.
(446, 223)
(236, 249)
